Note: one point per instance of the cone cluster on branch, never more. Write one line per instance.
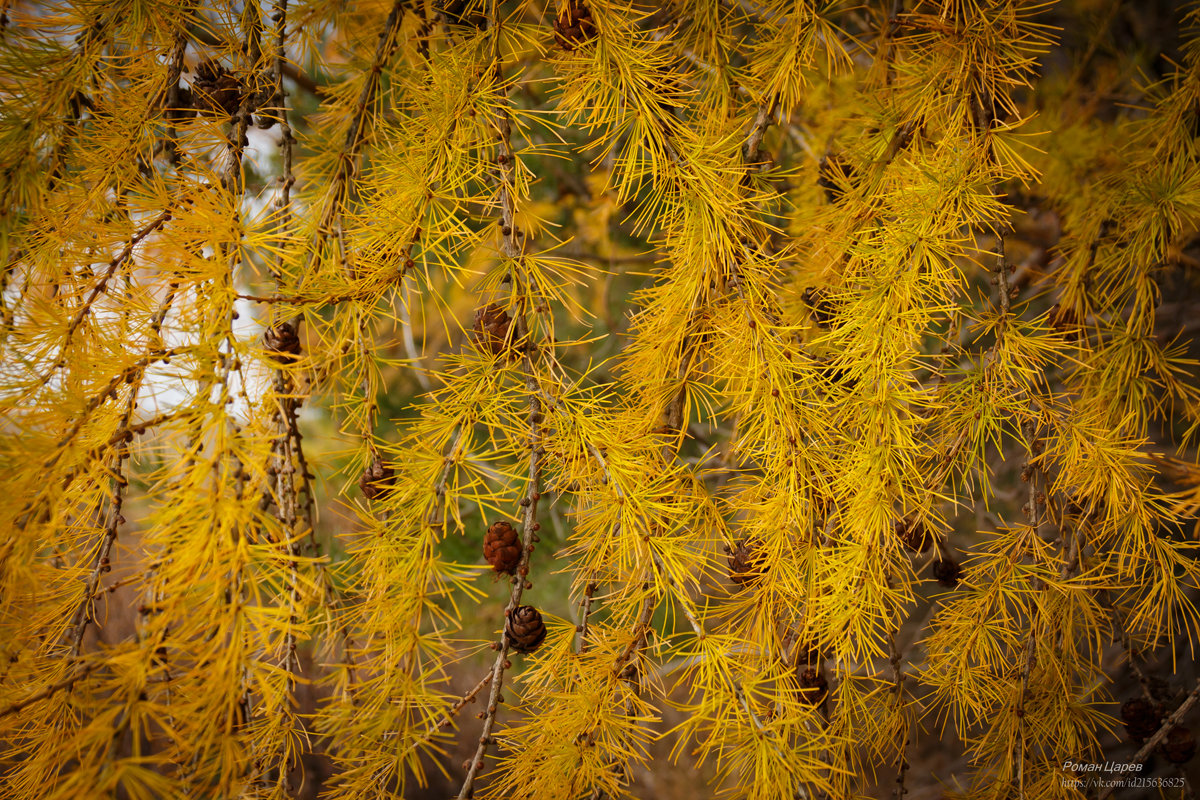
(216, 90)
(1144, 718)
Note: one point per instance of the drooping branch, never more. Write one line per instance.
(101, 563)
(347, 163)
(80, 672)
(512, 250)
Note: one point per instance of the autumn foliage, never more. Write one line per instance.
(535, 398)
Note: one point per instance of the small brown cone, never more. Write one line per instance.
(745, 563)
(282, 343)
(502, 547)
(524, 629)
(1179, 745)
(813, 686)
(491, 331)
(1141, 718)
(915, 535)
(574, 26)
(376, 479)
(947, 572)
(216, 90)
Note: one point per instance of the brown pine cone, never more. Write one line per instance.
(574, 26)
(745, 563)
(1179, 745)
(915, 535)
(524, 629)
(376, 479)
(813, 686)
(502, 547)
(216, 89)
(1141, 718)
(282, 343)
(492, 329)
(947, 572)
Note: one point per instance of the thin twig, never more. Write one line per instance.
(356, 133)
(112, 524)
(519, 583)
(452, 712)
(585, 614)
(895, 659)
(113, 520)
(98, 289)
(82, 671)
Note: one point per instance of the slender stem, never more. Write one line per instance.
(895, 659)
(452, 712)
(100, 285)
(100, 565)
(82, 671)
(530, 527)
(356, 133)
(585, 614)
